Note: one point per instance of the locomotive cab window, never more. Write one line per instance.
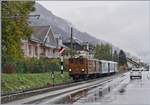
(81, 61)
(71, 60)
(76, 61)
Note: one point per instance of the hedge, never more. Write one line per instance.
(32, 65)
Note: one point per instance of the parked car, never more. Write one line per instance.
(136, 72)
(147, 68)
(143, 69)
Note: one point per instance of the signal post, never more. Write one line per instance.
(61, 52)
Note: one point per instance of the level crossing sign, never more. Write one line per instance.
(61, 50)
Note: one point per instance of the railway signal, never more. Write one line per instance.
(61, 51)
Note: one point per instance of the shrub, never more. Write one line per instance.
(33, 65)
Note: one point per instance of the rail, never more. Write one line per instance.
(31, 92)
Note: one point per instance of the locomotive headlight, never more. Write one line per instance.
(69, 69)
(82, 69)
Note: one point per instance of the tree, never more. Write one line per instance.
(15, 27)
(122, 58)
(103, 52)
(115, 56)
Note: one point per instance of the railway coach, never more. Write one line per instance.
(84, 68)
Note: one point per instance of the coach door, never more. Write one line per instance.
(100, 67)
(109, 67)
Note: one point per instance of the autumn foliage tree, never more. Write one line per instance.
(15, 27)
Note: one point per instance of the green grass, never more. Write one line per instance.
(14, 82)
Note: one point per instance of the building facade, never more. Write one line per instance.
(42, 43)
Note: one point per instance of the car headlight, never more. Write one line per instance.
(82, 69)
(69, 69)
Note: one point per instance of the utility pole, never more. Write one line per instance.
(71, 42)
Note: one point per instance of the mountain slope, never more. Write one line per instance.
(61, 26)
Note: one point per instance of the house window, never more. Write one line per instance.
(50, 52)
(53, 51)
(23, 49)
(36, 50)
(30, 49)
(43, 51)
(47, 52)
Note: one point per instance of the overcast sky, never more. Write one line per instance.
(125, 24)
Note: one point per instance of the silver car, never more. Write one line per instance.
(136, 72)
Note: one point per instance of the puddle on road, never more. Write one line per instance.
(90, 95)
(107, 93)
(69, 99)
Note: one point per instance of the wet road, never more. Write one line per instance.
(120, 91)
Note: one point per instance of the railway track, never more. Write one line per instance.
(53, 98)
(5, 98)
(37, 95)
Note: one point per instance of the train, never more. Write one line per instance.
(83, 68)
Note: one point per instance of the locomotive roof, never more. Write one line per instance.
(97, 60)
(108, 61)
